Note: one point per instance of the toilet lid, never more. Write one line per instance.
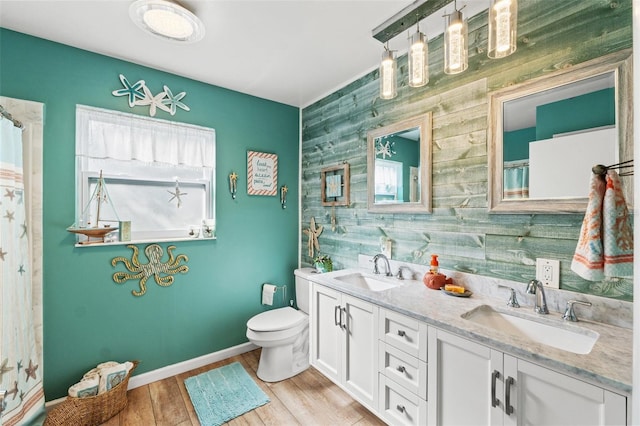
(277, 319)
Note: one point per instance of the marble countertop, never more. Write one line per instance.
(609, 364)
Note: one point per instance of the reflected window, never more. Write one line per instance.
(389, 187)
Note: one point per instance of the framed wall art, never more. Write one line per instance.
(334, 185)
(262, 173)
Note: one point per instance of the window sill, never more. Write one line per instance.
(142, 241)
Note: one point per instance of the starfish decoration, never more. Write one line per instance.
(4, 369)
(2, 253)
(19, 366)
(333, 186)
(385, 149)
(153, 101)
(174, 101)
(9, 215)
(177, 194)
(21, 270)
(10, 193)
(24, 230)
(13, 391)
(132, 91)
(20, 195)
(31, 371)
(313, 234)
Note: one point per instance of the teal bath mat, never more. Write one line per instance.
(224, 393)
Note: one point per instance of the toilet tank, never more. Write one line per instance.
(302, 288)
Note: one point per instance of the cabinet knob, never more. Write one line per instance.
(401, 368)
(401, 333)
(400, 408)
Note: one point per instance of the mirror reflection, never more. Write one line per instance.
(546, 134)
(399, 159)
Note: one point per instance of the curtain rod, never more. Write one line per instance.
(4, 113)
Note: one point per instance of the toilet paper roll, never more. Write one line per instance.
(268, 290)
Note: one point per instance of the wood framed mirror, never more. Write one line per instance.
(399, 166)
(546, 134)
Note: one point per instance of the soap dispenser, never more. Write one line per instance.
(434, 267)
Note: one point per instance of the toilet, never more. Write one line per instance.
(283, 334)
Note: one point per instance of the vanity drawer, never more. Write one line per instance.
(399, 406)
(403, 368)
(404, 333)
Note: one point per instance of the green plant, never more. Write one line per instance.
(325, 261)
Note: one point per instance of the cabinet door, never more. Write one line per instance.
(461, 375)
(544, 397)
(360, 366)
(326, 335)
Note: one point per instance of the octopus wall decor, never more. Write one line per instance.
(162, 272)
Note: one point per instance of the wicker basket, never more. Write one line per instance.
(91, 410)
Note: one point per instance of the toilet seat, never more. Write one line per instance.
(276, 320)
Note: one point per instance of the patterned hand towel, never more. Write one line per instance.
(588, 260)
(617, 232)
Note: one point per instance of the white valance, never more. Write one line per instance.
(113, 135)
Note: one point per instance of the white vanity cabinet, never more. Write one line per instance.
(344, 342)
(402, 366)
(472, 384)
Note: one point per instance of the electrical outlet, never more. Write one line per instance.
(548, 272)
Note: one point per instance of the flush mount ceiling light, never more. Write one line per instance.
(167, 20)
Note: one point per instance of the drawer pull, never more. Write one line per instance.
(337, 311)
(508, 408)
(494, 377)
(400, 408)
(401, 333)
(401, 368)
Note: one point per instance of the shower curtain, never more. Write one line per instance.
(20, 369)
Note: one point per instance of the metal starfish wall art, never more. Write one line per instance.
(138, 94)
(162, 272)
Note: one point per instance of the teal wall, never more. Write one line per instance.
(88, 318)
(576, 113)
(551, 36)
(515, 144)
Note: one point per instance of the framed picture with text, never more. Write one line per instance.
(262, 173)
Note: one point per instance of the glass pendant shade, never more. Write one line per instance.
(503, 22)
(456, 43)
(418, 60)
(388, 70)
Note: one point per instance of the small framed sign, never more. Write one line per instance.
(262, 173)
(334, 185)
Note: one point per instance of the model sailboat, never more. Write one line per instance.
(97, 229)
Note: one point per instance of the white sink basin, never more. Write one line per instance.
(573, 339)
(368, 282)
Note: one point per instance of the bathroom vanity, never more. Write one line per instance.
(418, 356)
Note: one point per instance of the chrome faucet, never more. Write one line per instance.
(399, 273)
(535, 287)
(386, 262)
(513, 300)
(569, 313)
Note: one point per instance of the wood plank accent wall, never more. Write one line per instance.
(551, 35)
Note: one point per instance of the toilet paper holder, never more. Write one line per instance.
(269, 292)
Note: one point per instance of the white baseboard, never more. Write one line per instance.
(179, 368)
(188, 365)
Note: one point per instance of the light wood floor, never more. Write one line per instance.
(306, 399)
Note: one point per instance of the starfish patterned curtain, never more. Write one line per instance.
(21, 392)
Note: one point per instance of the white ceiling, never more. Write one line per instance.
(291, 51)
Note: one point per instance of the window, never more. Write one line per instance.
(388, 179)
(159, 174)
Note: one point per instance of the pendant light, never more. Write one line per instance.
(418, 59)
(503, 21)
(455, 42)
(388, 71)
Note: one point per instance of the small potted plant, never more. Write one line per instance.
(323, 263)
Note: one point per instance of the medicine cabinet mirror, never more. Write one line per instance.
(399, 166)
(546, 134)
